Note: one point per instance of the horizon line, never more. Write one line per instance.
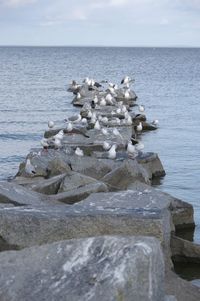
(101, 46)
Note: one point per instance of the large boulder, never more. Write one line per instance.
(18, 195)
(152, 164)
(122, 213)
(96, 269)
(125, 174)
(45, 186)
(75, 187)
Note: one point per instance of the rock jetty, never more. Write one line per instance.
(81, 220)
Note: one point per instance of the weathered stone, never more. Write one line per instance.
(182, 214)
(152, 164)
(183, 290)
(96, 269)
(184, 250)
(124, 175)
(122, 213)
(50, 163)
(46, 186)
(19, 196)
(75, 187)
(90, 166)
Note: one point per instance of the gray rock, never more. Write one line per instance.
(122, 213)
(46, 186)
(124, 175)
(182, 214)
(183, 290)
(152, 164)
(184, 250)
(19, 196)
(99, 268)
(90, 166)
(75, 187)
(50, 163)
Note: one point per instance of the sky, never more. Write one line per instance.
(100, 22)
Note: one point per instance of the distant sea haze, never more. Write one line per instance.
(33, 82)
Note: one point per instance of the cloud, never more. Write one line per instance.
(16, 3)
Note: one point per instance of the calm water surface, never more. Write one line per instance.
(33, 84)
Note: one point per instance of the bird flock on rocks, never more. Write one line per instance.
(106, 109)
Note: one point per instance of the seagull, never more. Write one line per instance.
(89, 115)
(141, 108)
(84, 121)
(118, 111)
(124, 109)
(97, 125)
(79, 152)
(105, 120)
(75, 118)
(29, 168)
(112, 152)
(127, 94)
(57, 143)
(69, 127)
(78, 96)
(96, 99)
(155, 122)
(50, 124)
(129, 120)
(59, 135)
(104, 131)
(44, 143)
(102, 102)
(127, 80)
(117, 133)
(106, 145)
(139, 127)
(131, 148)
(109, 98)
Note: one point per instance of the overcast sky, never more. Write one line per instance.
(100, 22)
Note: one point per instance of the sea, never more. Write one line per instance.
(33, 90)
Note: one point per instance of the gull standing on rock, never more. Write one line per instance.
(69, 127)
(97, 125)
(131, 148)
(79, 152)
(117, 133)
(139, 127)
(29, 168)
(104, 131)
(126, 81)
(106, 145)
(112, 152)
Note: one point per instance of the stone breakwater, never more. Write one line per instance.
(81, 221)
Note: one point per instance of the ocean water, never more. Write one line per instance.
(33, 83)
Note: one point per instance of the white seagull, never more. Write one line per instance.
(29, 168)
(112, 152)
(50, 124)
(79, 152)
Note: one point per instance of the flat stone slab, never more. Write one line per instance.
(96, 269)
(123, 213)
